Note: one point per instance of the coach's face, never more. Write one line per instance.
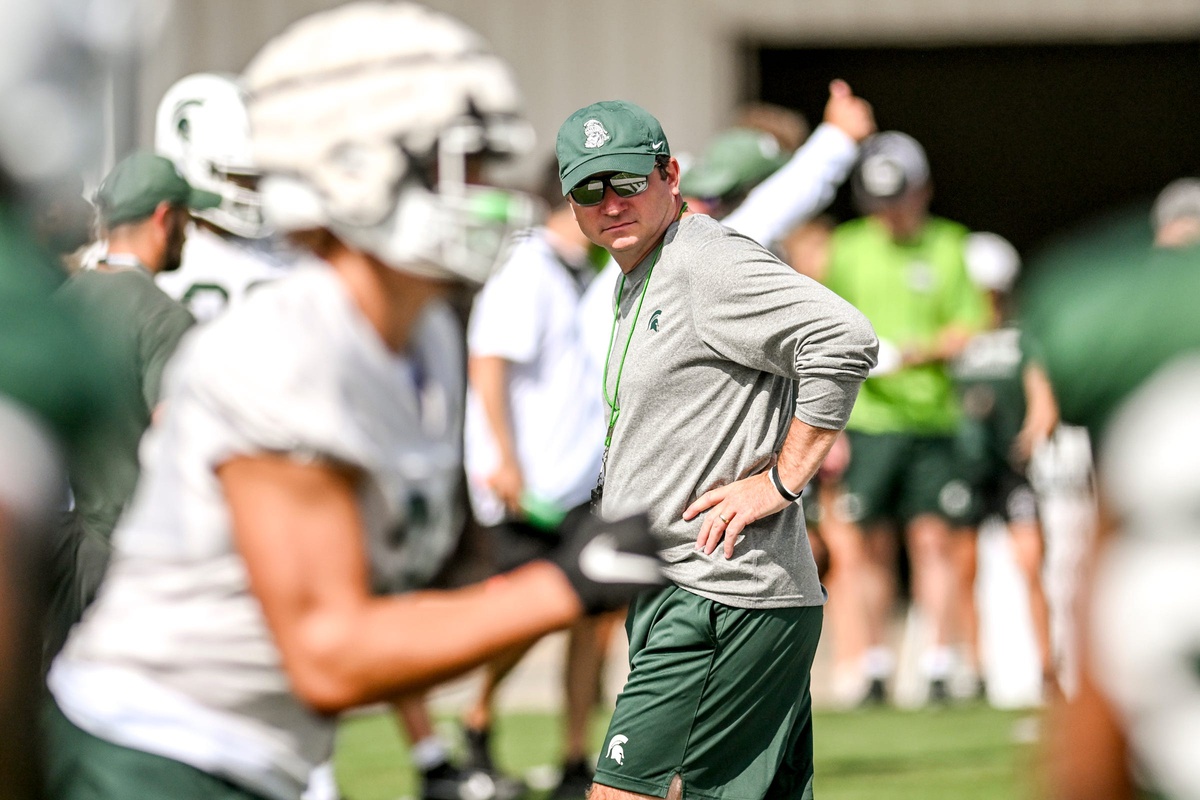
(630, 227)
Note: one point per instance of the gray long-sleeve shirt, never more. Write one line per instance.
(728, 345)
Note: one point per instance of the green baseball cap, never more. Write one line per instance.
(737, 159)
(609, 136)
(139, 183)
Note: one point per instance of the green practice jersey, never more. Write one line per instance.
(910, 291)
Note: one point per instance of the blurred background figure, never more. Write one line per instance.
(786, 125)
(53, 380)
(53, 392)
(806, 247)
(534, 439)
(203, 127)
(1127, 731)
(1008, 411)
(905, 270)
(1176, 214)
(734, 163)
(142, 210)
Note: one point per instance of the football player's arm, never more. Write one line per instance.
(299, 530)
(488, 376)
(1041, 411)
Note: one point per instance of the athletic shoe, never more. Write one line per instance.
(939, 692)
(479, 751)
(576, 780)
(876, 694)
(447, 782)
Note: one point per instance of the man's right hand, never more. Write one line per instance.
(851, 114)
(607, 563)
(508, 484)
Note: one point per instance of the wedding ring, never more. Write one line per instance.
(722, 518)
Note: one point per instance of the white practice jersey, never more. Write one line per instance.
(175, 657)
(219, 271)
(529, 315)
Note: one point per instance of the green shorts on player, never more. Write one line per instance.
(85, 767)
(901, 476)
(718, 696)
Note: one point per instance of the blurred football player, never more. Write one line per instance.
(246, 604)
(202, 125)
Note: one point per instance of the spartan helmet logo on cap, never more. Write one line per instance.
(596, 134)
(882, 176)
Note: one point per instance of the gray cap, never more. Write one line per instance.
(889, 165)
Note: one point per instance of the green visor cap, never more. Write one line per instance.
(609, 136)
(737, 160)
(139, 183)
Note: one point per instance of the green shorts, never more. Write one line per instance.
(80, 766)
(900, 476)
(716, 694)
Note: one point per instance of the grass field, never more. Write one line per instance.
(967, 753)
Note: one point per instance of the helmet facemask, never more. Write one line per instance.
(203, 126)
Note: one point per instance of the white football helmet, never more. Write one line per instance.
(202, 126)
(364, 118)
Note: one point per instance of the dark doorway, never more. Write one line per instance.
(1024, 140)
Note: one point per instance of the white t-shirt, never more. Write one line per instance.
(528, 314)
(175, 657)
(218, 271)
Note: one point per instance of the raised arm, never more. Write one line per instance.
(801, 188)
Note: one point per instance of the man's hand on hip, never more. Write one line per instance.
(731, 508)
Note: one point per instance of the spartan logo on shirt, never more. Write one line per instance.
(595, 133)
(921, 278)
(615, 751)
(654, 320)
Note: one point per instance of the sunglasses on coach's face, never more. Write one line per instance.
(625, 184)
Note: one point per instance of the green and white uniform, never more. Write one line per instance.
(989, 378)
(901, 426)
(728, 346)
(175, 658)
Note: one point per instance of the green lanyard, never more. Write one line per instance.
(613, 403)
(614, 407)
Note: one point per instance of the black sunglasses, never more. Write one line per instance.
(625, 184)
